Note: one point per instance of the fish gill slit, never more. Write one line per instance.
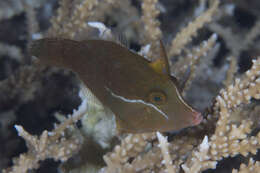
(181, 99)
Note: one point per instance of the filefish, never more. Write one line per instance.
(143, 95)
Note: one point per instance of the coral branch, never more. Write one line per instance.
(165, 151)
(185, 35)
(48, 145)
(152, 30)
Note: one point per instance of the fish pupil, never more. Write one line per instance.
(157, 98)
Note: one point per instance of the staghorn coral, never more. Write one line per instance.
(230, 125)
(179, 42)
(49, 145)
(12, 7)
(229, 139)
(251, 167)
(152, 31)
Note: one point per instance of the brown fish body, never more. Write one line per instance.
(142, 99)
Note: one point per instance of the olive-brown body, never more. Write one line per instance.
(142, 99)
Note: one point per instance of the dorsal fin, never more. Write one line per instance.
(161, 65)
(167, 65)
(163, 54)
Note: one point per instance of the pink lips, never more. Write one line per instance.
(196, 118)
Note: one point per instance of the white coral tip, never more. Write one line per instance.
(19, 129)
(161, 138)
(99, 25)
(145, 49)
(214, 36)
(204, 146)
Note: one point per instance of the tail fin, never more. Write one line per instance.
(50, 51)
(35, 48)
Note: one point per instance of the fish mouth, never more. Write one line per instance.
(196, 118)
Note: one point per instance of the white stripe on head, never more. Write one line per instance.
(137, 101)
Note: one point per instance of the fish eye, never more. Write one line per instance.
(157, 97)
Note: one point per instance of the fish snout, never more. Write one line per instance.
(196, 118)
